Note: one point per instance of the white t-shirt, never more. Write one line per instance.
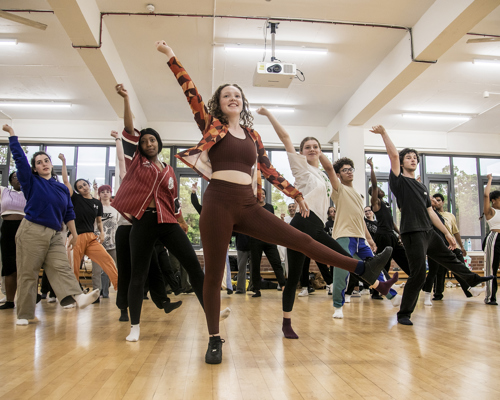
(313, 183)
(110, 224)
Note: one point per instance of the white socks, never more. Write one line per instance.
(84, 300)
(476, 291)
(135, 331)
(347, 298)
(224, 314)
(22, 322)
(427, 299)
(51, 299)
(396, 300)
(338, 314)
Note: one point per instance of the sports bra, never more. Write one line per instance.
(231, 153)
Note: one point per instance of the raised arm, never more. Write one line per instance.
(392, 152)
(120, 154)
(64, 174)
(194, 198)
(24, 172)
(375, 201)
(488, 212)
(282, 133)
(328, 167)
(200, 112)
(128, 118)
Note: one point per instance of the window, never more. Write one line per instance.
(91, 164)
(381, 163)
(164, 155)
(29, 151)
(189, 213)
(437, 165)
(68, 151)
(489, 166)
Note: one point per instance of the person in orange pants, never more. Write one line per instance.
(88, 210)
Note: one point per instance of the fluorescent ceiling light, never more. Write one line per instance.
(486, 61)
(34, 103)
(8, 42)
(275, 109)
(438, 116)
(284, 49)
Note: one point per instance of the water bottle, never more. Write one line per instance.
(468, 246)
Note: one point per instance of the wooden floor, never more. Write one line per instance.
(452, 352)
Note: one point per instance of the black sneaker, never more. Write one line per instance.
(214, 351)
(311, 290)
(492, 303)
(257, 294)
(375, 265)
(229, 291)
(7, 305)
(377, 296)
(123, 315)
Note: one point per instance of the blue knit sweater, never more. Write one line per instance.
(47, 201)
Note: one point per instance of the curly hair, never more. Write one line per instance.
(406, 151)
(341, 162)
(246, 118)
(494, 195)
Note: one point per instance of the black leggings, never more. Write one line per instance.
(143, 236)
(313, 227)
(155, 280)
(229, 207)
(271, 250)
(491, 247)
(8, 245)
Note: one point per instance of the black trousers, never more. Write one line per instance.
(166, 268)
(271, 251)
(383, 240)
(418, 245)
(491, 247)
(155, 282)
(437, 276)
(313, 227)
(8, 232)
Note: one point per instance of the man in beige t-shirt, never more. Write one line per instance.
(349, 230)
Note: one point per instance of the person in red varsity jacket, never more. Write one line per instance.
(148, 197)
(237, 159)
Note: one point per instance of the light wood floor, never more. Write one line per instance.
(452, 352)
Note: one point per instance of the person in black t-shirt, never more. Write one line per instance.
(417, 219)
(386, 227)
(88, 210)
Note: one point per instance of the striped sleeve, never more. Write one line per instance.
(130, 143)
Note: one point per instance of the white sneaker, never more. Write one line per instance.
(355, 293)
(338, 314)
(84, 300)
(476, 291)
(22, 322)
(224, 314)
(51, 299)
(365, 292)
(396, 300)
(427, 299)
(347, 298)
(304, 292)
(72, 305)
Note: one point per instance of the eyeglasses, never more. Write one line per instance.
(346, 170)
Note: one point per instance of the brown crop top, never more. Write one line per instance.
(234, 154)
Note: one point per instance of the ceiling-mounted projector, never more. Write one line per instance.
(274, 74)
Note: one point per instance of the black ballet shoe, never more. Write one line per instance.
(123, 315)
(257, 294)
(169, 306)
(405, 321)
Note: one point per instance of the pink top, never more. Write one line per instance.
(13, 202)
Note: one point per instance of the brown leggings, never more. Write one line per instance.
(229, 207)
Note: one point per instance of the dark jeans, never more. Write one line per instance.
(145, 232)
(437, 276)
(418, 245)
(313, 227)
(273, 256)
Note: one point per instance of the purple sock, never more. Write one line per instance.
(384, 287)
(287, 329)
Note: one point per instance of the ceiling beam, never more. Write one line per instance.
(81, 19)
(443, 24)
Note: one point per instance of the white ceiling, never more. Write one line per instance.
(45, 66)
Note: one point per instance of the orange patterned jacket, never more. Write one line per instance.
(213, 130)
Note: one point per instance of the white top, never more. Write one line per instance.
(494, 222)
(288, 219)
(109, 224)
(313, 183)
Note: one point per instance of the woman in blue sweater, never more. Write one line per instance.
(39, 240)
